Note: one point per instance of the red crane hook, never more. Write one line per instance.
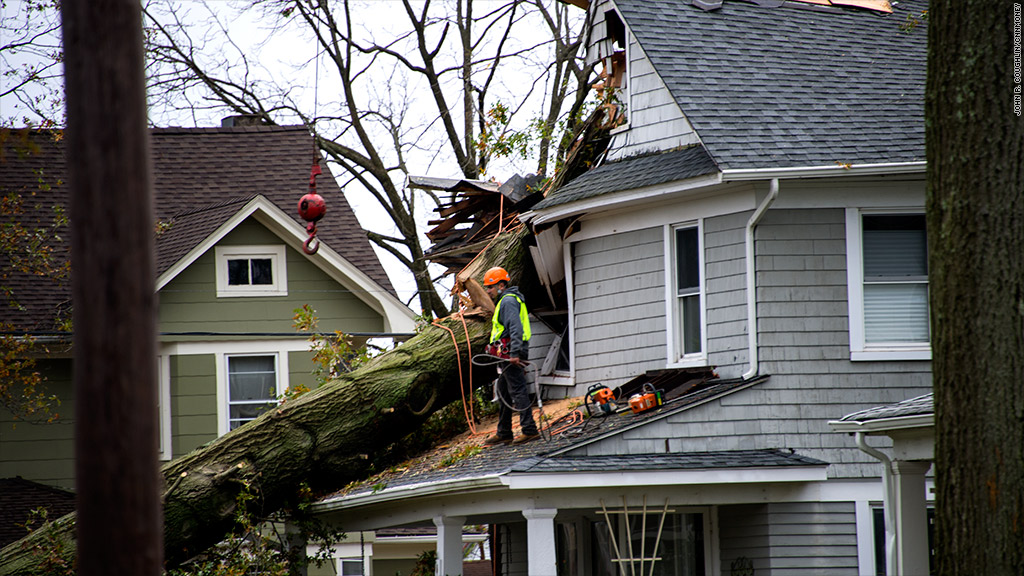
(312, 208)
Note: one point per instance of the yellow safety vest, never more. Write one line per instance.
(496, 326)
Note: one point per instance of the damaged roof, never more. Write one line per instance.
(557, 454)
(914, 413)
(633, 173)
(783, 84)
(919, 406)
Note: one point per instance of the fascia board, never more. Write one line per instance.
(426, 489)
(616, 200)
(883, 425)
(879, 169)
(753, 475)
(397, 317)
(425, 539)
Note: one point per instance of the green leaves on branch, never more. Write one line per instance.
(332, 355)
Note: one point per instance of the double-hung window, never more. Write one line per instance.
(888, 286)
(251, 271)
(686, 295)
(252, 387)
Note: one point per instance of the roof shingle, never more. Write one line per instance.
(201, 176)
(793, 85)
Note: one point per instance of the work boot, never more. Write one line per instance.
(497, 440)
(524, 438)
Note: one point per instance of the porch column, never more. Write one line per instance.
(449, 545)
(540, 541)
(911, 516)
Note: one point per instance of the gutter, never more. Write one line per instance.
(773, 193)
(891, 549)
(884, 168)
(883, 424)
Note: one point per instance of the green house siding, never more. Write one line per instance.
(42, 453)
(189, 302)
(300, 370)
(193, 402)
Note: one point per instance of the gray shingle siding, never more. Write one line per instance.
(726, 293)
(790, 538)
(619, 307)
(803, 338)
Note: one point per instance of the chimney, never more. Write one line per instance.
(241, 120)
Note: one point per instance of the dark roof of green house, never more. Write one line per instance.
(201, 177)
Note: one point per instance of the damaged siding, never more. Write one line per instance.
(654, 120)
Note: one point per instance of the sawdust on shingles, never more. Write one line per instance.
(463, 446)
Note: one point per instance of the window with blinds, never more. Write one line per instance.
(895, 277)
(252, 387)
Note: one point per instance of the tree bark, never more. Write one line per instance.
(325, 439)
(975, 153)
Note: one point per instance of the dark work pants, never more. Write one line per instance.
(513, 389)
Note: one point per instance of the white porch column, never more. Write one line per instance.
(540, 541)
(449, 545)
(911, 516)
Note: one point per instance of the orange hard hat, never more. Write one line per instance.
(495, 275)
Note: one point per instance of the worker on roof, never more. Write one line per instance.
(510, 339)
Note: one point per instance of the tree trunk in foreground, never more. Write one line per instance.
(975, 152)
(326, 438)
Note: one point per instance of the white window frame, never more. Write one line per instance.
(278, 264)
(164, 448)
(676, 358)
(860, 350)
(223, 396)
(340, 568)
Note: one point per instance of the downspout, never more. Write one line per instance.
(773, 193)
(887, 502)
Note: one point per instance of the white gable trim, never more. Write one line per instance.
(397, 316)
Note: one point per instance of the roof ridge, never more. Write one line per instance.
(215, 206)
(165, 130)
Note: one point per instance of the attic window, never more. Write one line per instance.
(251, 271)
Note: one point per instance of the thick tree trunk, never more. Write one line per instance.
(325, 439)
(975, 152)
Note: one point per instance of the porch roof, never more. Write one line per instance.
(916, 412)
(537, 464)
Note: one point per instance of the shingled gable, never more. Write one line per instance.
(203, 178)
(791, 85)
(195, 232)
(196, 167)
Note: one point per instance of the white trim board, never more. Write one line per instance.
(525, 481)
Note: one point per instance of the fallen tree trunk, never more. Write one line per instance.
(324, 439)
